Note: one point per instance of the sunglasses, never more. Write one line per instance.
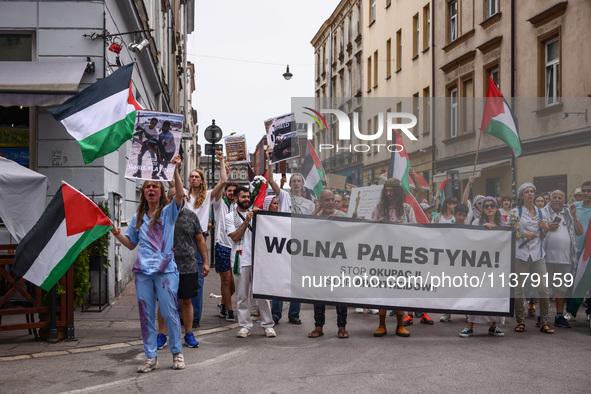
(586, 191)
(489, 206)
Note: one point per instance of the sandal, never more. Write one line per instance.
(342, 333)
(546, 329)
(316, 333)
(520, 327)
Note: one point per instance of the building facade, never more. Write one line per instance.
(69, 54)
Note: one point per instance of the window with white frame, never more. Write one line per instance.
(426, 26)
(552, 71)
(243, 174)
(491, 7)
(372, 11)
(234, 174)
(453, 112)
(494, 73)
(452, 7)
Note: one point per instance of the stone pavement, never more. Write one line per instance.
(118, 325)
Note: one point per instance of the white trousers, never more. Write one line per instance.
(243, 285)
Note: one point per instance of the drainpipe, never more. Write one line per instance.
(512, 63)
(433, 146)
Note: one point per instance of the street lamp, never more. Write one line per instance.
(287, 75)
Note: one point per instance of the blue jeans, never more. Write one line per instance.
(294, 309)
(197, 301)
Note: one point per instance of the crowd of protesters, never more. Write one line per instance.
(172, 257)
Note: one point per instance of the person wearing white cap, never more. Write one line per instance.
(529, 255)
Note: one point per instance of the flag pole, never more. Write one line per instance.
(477, 150)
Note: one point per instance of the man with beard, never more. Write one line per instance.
(238, 228)
(392, 208)
(150, 144)
(223, 247)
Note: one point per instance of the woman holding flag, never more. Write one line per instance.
(156, 274)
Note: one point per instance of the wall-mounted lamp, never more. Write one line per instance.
(287, 75)
(138, 47)
(89, 65)
(566, 114)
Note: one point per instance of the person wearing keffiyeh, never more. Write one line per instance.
(239, 229)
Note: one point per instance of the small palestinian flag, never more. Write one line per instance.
(102, 116)
(70, 223)
(312, 171)
(498, 119)
(443, 192)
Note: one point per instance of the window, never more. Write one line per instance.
(350, 81)
(369, 73)
(372, 11)
(16, 47)
(552, 56)
(375, 69)
(349, 28)
(491, 7)
(243, 174)
(398, 50)
(416, 112)
(389, 58)
(452, 11)
(453, 112)
(234, 174)
(426, 111)
(467, 104)
(426, 26)
(359, 20)
(388, 2)
(359, 74)
(415, 37)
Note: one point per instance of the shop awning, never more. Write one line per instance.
(466, 172)
(39, 83)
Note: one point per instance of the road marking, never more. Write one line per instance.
(219, 359)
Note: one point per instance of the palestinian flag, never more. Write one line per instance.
(498, 119)
(258, 193)
(69, 224)
(441, 191)
(312, 171)
(102, 116)
(398, 168)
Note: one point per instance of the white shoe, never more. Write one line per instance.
(243, 332)
(149, 365)
(178, 361)
(374, 311)
(270, 332)
(569, 317)
(358, 310)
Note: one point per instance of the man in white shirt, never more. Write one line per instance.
(561, 248)
(238, 228)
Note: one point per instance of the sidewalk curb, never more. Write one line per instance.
(198, 333)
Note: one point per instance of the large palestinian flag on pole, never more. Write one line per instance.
(398, 168)
(498, 119)
(102, 116)
(69, 224)
(312, 171)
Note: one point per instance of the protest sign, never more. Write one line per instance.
(336, 181)
(364, 200)
(236, 151)
(282, 138)
(443, 267)
(156, 140)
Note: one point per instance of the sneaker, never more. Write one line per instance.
(494, 331)
(466, 332)
(569, 317)
(408, 320)
(155, 176)
(392, 313)
(254, 311)
(560, 321)
(425, 319)
(373, 311)
(178, 361)
(190, 340)
(243, 332)
(270, 332)
(149, 365)
(161, 341)
(358, 310)
(445, 318)
(221, 310)
(402, 332)
(295, 320)
(539, 321)
(230, 316)
(138, 174)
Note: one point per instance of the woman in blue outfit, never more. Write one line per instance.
(156, 274)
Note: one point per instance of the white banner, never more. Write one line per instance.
(435, 267)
